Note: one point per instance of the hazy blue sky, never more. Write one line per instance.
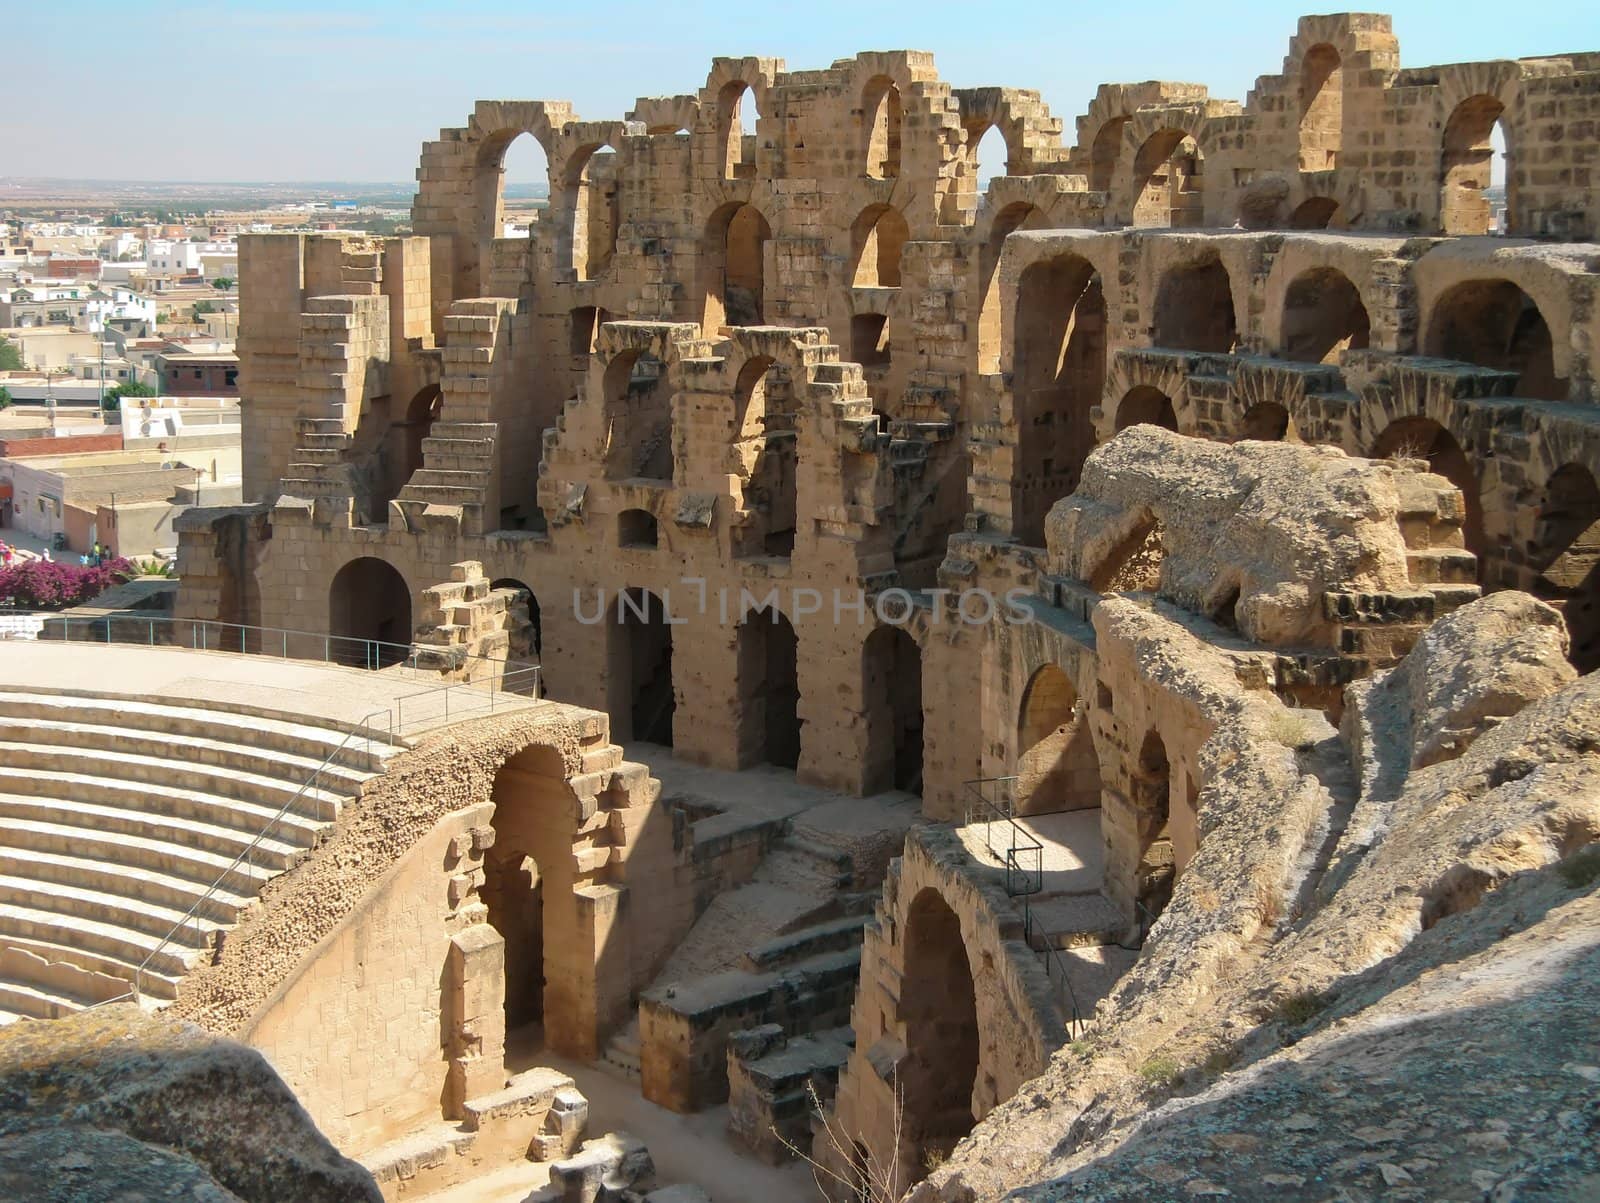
(330, 90)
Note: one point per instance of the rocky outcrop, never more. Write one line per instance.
(114, 1104)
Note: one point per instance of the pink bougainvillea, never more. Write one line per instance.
(52, 585)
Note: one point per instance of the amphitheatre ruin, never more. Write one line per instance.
(1079, 684)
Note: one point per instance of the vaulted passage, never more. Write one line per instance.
(736, 128)
(1566, 553)
(643, 700)
(1059, 372)
(766, 455)
(769, 690)
(1322, 317)
(591, 207)
(1423, 438)
(405, 449)
(1167, 181)
(940, 1006)
(1467, 165)
(1321, 108)
(1057, 768)
(1010, 219)
(891, 665)
(522, 624)
(1494, 324)
(1194, 308)
(877, 239)
(733, 271)
(512, 892)
(370, 603)
(512, 170)
(1152, 790)
(881, 119)
(639, 415)
(1144, 405)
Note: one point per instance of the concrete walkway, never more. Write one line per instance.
(413, 702)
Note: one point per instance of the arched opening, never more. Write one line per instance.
(407, 444)
(513, 893)
(1494, 324)
(881, 120)
(1057, 768)
(1152, 791)
(591, 195)
(1194, 309)
(1134, 564)
(1058, 374)
(638, 418)
(1265, 422)
(734, 272)
(869, 340)
(989, 153)
(765, 453)
(516, 190)
(370, 602)
(1424, 439)
(769, 690)
(1167, 181)
(1013, 217)
(1566, 553)
(584, 333)
(1322, 317)
(643, 699)
(523, 627)
(1321, 108)
(1314, 213)
(1467, 166)
(940, 1007)
(736, 128)
(877, 238)
(1105, 152)
(1145, 405)
(637, 529)
(892, 684)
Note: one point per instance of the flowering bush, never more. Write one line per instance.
(51, 585)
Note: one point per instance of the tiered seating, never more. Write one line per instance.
(117, 815)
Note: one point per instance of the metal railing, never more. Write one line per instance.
(485, 676)
(991, 802)
(364, 728)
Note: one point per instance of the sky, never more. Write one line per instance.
(332, 90)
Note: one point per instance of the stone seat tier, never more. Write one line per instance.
(143, 858)
(50, 871)
(338, 778)
(125, 946)
(217, 820)
(131, 917)
(179, 722)
(153, 983)
(36, 999)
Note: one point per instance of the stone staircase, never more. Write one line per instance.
(117, 815)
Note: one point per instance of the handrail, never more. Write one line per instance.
(1033, 882)
(361, 726)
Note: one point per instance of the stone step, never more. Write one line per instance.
(48, 870)
(139, 801)
(178, 832)
(37, 1001)
(146, 858)
(299, 738)
(123, 945)
(271, 793)
(421, 488)
(154, 982)
(132, 915)
(190, 749)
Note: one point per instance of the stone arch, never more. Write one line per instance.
(1057, 765)
(1105, 153)
(1566, 555)
(1146, 405)
(1322, 317)
(891, 663)
(513, 893)
(369, 614)
(737, 106)
(1058, 360)
(1418, 437)
(1167, 179)
(523, 621)
(1314, 213)
(734, 273)
(767, 667)
(1132, 563)
(1495, 324)
(1194, 308)
(488, 175)
(938, 1077)
(1265, 422)
(1019, 215)
(638, 529)
(1155, 869)
(877, 239)
(590, 200)
(984, 142)
(882, 125)
(869, 339)
(638, 417)
(421, 413)
(1321, 108)
(765, 451)
(643, 697)
(1466, 164)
